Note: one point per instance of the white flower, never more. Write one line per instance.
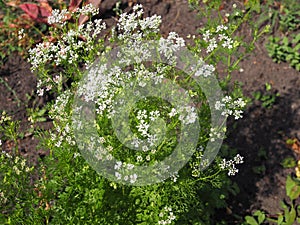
(223, 164)
(232, 171)
(139, 158)
(143, 127)
(118, 165)
(145, 148)
(137, 7)
(174, 177)
(88, 9)
(238, 159)
(219, 105)
(221, 28)
(205, 70)
(135, 142)
(231, 107)
(154, 115)
(133, 178)
(206, 35)
(118, 175)
(187, 115)
(212, 45)
(21, 34)
(230, 165)
(228, 43)
(109, 157)
(101, 140)
(173, 112)
(76, 154)
(130, 166)
(167, 216)
(57, 16)
(109, 148)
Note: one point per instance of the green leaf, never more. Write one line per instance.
(260, 216)
(253, 5)
(285, 41)
(250, 220)
(268, 86)
(280, 219)
(289, 162)
(292, 217)
(292, 188)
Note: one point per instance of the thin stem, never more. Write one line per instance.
(11, 90)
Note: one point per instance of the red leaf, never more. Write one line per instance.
(74, 4)
(36, 12)
(45, 12)
(31, 9)
(45, 8)
(95, 3)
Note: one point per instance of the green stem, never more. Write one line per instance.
(11, 90)
(210, 176)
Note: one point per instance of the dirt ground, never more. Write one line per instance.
(260, 136)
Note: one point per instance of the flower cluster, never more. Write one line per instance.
(218, 37)
(171, 44)
(4, 117)
(134, 28)
(167, 216)
(60, 16)
(63, 130)
(18, 164)
(88, 9)
(216, 133)
(72, 46)
(231, 107)
(205, 70)
(125, 166)
(199, 162)
(67, 49)
(230, 164)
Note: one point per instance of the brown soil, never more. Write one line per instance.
(260, 136)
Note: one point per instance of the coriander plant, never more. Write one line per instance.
(138, 120)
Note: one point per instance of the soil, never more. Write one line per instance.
(260, 136)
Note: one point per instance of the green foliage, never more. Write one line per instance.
(253, 5)
(10, 39)
(289, 20)
(228, 59)
(285, 50)
(291, 214)
(67, 190)
(18, 198)
(257, 218)
(289, 162)
(267, 97)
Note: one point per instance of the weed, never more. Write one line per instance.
(291, 212)
(285, 50)
(268, 99)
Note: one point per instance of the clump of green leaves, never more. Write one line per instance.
(291, 211)
(267, 97)
(289, 20)
(285, 50)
